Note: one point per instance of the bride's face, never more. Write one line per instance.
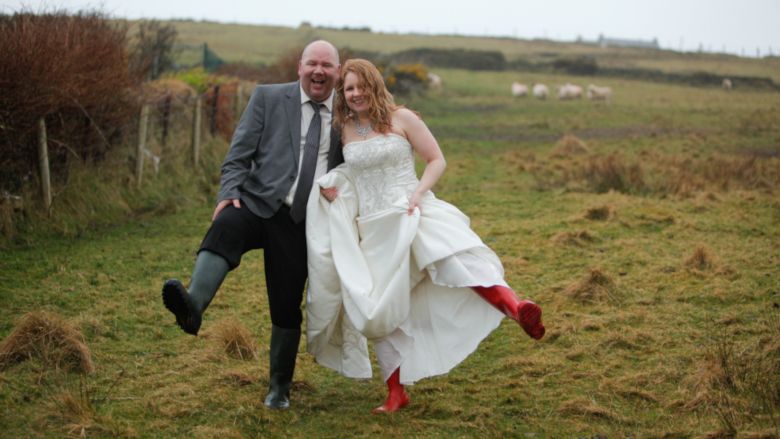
(354, 94)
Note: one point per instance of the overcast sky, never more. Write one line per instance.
(746, 27)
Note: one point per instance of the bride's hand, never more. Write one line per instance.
(414, 201)
(329, 193)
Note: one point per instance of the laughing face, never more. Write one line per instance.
(354, 94)
(318, 70)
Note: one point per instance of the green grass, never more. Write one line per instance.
(636, 364)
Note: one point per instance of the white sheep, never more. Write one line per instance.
(569, 91)
(519, 89)
(434, 81)
(726, 84)
(596, 93)
(540, 91)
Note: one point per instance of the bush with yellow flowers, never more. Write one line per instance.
(406, 78)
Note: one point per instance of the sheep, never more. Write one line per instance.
(434, 81)
(596, 93)
(540, 91)
(519, 89)
(726, 84)
(569, 91)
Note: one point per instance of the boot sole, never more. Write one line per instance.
(176, 300)
(530, 318)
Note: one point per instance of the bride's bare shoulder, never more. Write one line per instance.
(405, 119)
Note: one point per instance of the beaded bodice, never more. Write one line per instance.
(383, 169)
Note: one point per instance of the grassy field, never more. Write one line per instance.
(647, 228)
(264, 44)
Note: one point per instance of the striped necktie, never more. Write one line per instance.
(310, 151)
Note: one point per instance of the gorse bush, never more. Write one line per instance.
(406, 78)
(70, 70)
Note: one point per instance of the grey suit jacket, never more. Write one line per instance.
(262, 162)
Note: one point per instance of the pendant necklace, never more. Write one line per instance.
(362, 131)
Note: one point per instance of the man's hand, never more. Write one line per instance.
(329, 193)
(223, 204)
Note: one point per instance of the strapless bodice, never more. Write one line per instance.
(383, 169)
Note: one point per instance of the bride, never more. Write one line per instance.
(388, 261)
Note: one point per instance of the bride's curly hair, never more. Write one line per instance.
(380, 102)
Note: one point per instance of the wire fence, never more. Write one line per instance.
(169, 125)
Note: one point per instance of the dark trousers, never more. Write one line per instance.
(237, 231)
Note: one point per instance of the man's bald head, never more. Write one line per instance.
(318, 69)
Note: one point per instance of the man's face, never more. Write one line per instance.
(318, 70)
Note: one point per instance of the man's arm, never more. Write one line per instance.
(238, 161)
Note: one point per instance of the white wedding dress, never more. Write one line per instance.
(402, 281)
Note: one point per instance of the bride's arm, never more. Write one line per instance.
(425, 144)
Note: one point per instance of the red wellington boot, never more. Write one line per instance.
(524, 312)
(396, 398)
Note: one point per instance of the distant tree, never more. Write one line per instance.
(153, 51)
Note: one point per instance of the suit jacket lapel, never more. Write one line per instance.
(293, 110)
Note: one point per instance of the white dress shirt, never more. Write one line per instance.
(326, 115)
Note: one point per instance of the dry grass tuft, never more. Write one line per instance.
(568, 146)
(587, 409)
(601, 213)
(235, 340)
(239, 378)
(629, 391)
(662, 175)
(204, 431)
(612, 172)
(702, 259)
(48, 337)
(579, 239)
(596, 286)
(738, 383)
(76, 412)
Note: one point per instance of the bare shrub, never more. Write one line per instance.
(154, 92)
(595, 286)
(569, 145)
(48, 337)
(235, 340)
(242, 70)
(71, 70)
(218, 104)
(154, 49)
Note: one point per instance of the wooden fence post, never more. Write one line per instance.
(214, 110)
(196, 130)
(43, 163)
(139, 154)
(166, 116)
(239, 100)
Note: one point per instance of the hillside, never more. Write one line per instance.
(263, 44)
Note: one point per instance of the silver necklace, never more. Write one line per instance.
(362, 131)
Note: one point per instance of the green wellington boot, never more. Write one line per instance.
(284, 349)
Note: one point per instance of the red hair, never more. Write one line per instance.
(380, 102)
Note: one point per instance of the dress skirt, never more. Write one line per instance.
(397, 279)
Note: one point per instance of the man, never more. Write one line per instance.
(282, 143)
